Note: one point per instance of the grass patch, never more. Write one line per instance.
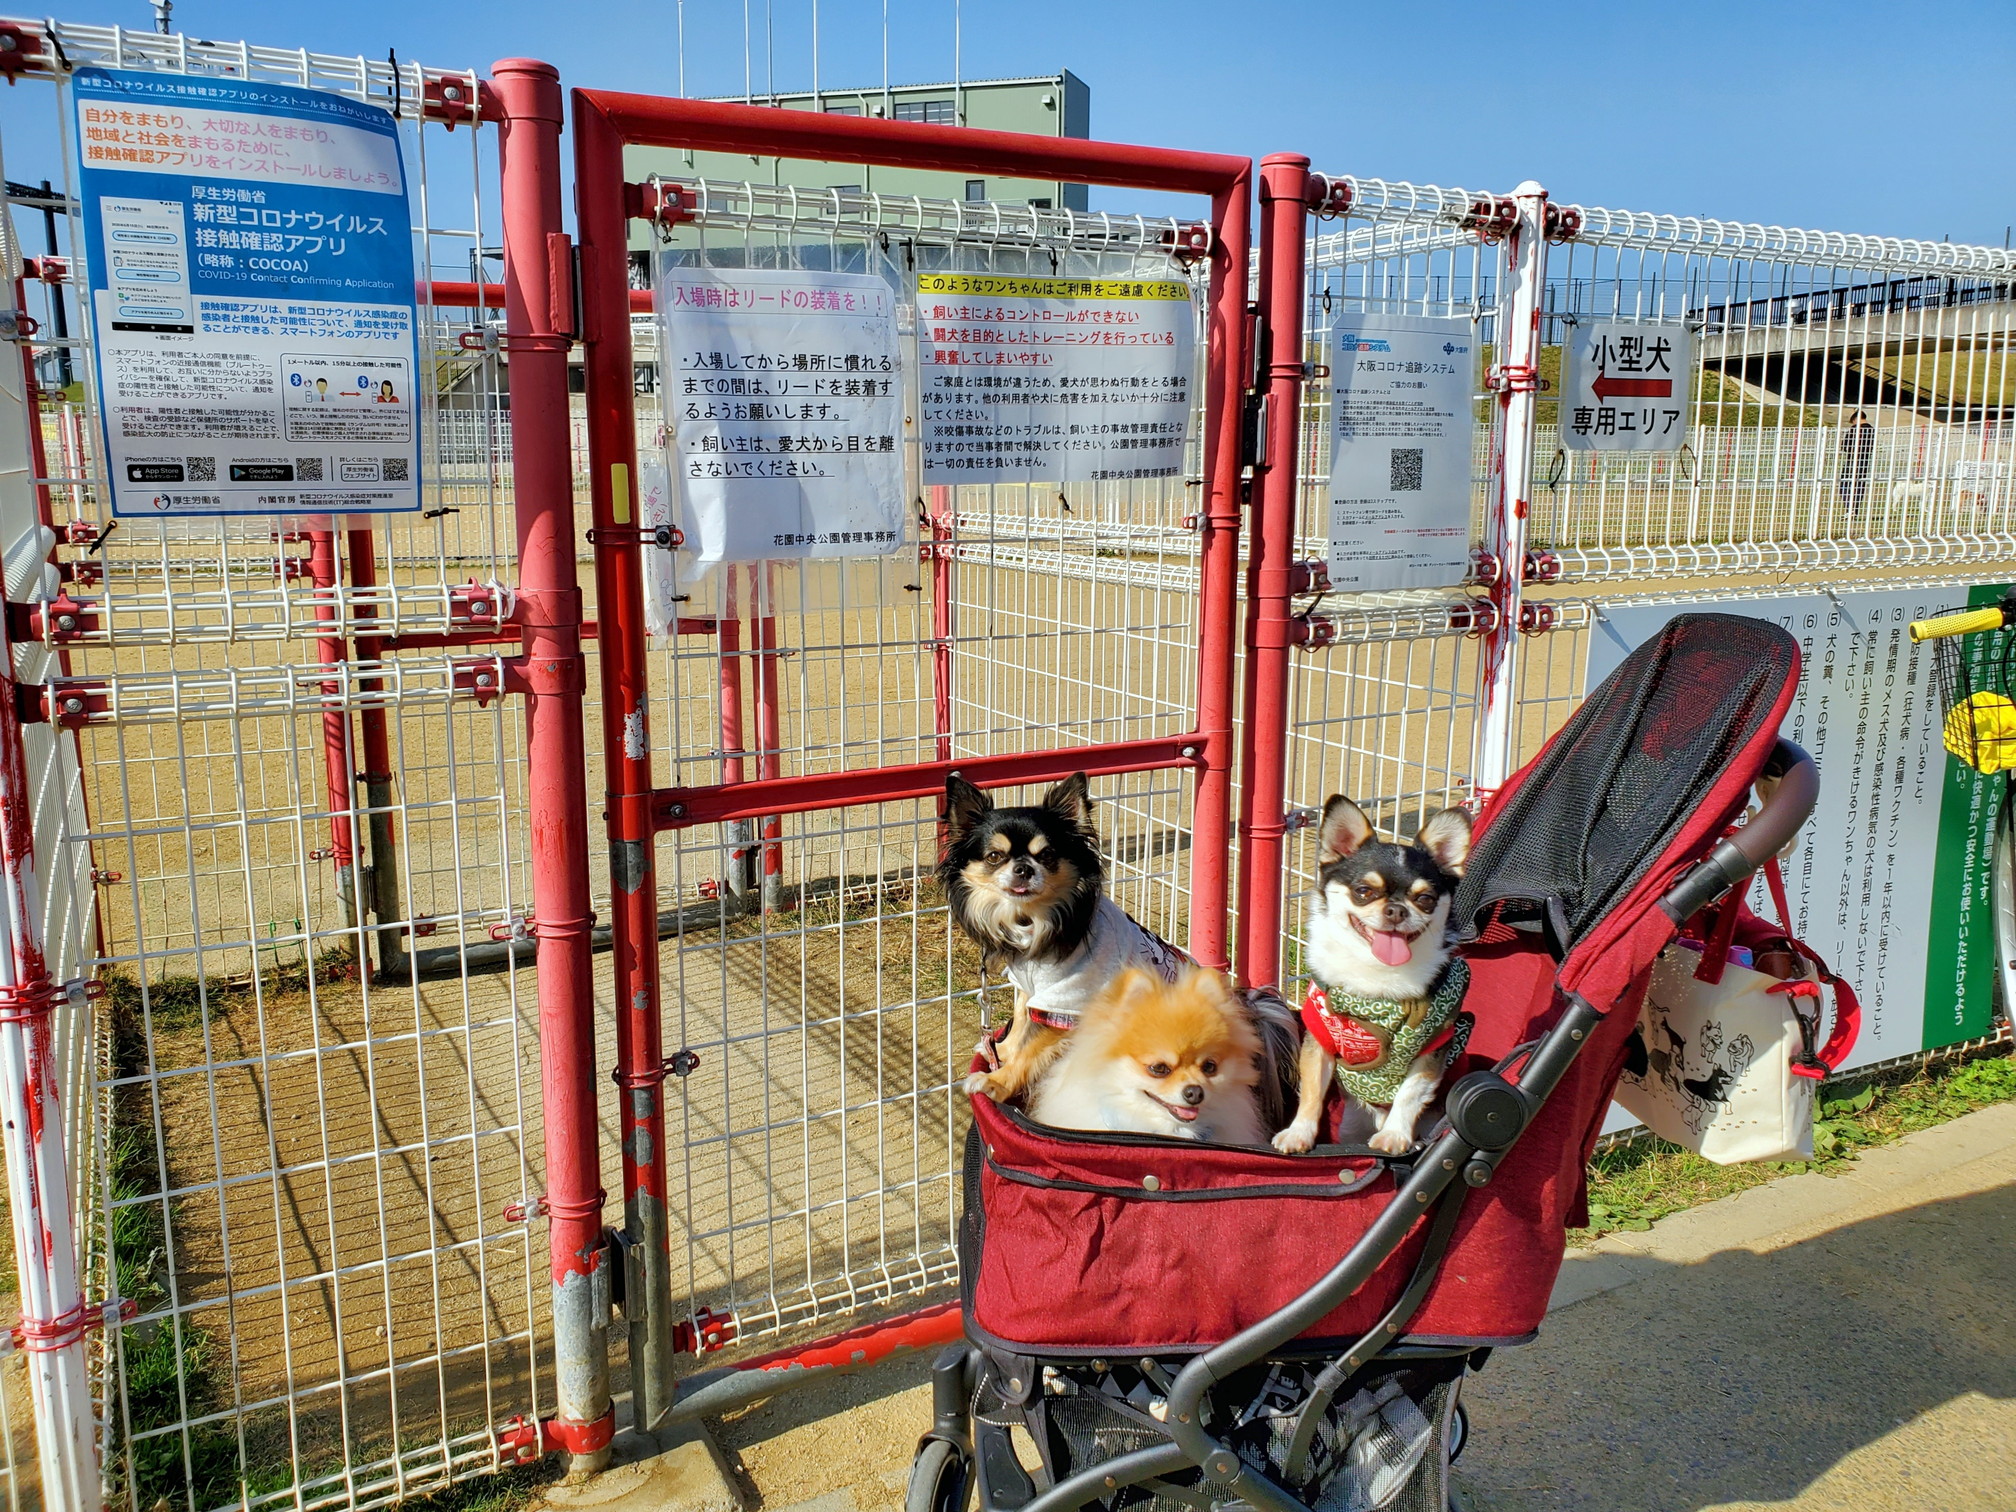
(1632, 1186)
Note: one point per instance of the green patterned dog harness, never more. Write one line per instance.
(1373, 1043)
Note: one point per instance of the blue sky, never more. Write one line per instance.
(1847, 116)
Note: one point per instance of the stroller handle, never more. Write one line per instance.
(1784, 812)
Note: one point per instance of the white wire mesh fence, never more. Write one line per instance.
(1795, 333)
(314, 1092)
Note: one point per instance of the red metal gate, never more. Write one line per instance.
(641, 806)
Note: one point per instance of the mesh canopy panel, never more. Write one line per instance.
(1586, 819)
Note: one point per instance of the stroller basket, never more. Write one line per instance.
(1210, 1325)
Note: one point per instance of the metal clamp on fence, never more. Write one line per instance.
(664, 537)
(45, 1336)
(33, 1001)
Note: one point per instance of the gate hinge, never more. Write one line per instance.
(522, 1440)
(522, 927)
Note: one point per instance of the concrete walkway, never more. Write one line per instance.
(1824, 1342)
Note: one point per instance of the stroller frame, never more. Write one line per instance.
(1485, 1114)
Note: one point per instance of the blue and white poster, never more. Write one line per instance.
(251, 263)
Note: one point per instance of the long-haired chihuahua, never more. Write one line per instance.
(1385, 994)
(1026, 885)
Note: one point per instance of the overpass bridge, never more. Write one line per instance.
(1903, 344)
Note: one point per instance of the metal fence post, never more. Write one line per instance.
(538, 304)
(54, 1317)
(1284, 193)
(325, 569)
(1516, 379)
(602, 219)
(1226, 333)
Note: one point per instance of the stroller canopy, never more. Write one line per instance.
(1651, 755)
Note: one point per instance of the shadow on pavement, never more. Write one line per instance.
(1746, 1378)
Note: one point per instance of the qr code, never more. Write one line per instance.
(1404, 473)
(307, 469)
(395, 469)
(202, 469)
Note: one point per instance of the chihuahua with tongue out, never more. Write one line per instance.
(1382, 1015)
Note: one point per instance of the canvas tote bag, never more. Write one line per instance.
(1725, 1063)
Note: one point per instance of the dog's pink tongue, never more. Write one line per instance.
(1391, 948)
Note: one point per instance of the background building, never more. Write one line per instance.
(1057, 105)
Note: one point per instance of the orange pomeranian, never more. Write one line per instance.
(1180, 1059)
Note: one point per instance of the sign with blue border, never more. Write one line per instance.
(251, 297)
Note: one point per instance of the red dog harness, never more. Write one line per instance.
(1346, 1039)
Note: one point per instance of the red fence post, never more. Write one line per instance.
(326, 572)
(1224, 384)
(538, 314)
(376, 749)
(601, 217)
(1284, 194)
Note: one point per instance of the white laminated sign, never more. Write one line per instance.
(784, 407)
(251, 296)
(1060, 380)
(1625, 386)
(1401, 422)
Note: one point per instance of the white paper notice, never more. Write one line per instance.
(1053, 379)
(1401, 422)
(1625, 386)
(784, 395)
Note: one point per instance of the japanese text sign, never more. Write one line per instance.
(1053, 379)
(1401, 423)
(1891, 880)
(251, 297)
(1626, 386)
(784, 402)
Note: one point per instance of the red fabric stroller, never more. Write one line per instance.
(1188, 1326)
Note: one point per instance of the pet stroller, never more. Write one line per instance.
(1180, 1326)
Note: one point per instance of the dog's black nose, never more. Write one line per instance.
(1396, 913)
(1193, 1094)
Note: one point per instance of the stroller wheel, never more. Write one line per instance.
(1459, 1432)
(941, 1480)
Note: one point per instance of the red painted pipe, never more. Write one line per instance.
(603, 224)
(1224, 385)
(1284, 189)
(324, 571)
(677, 808)
(650, 120)
(870, 1342)
(549, 613)
(942, 532)
(375, 732)
(450, 294)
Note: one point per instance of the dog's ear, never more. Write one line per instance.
(1070, 801)
(965, 805)
(1345, 829)
(1446, 837)
(1128, 988)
